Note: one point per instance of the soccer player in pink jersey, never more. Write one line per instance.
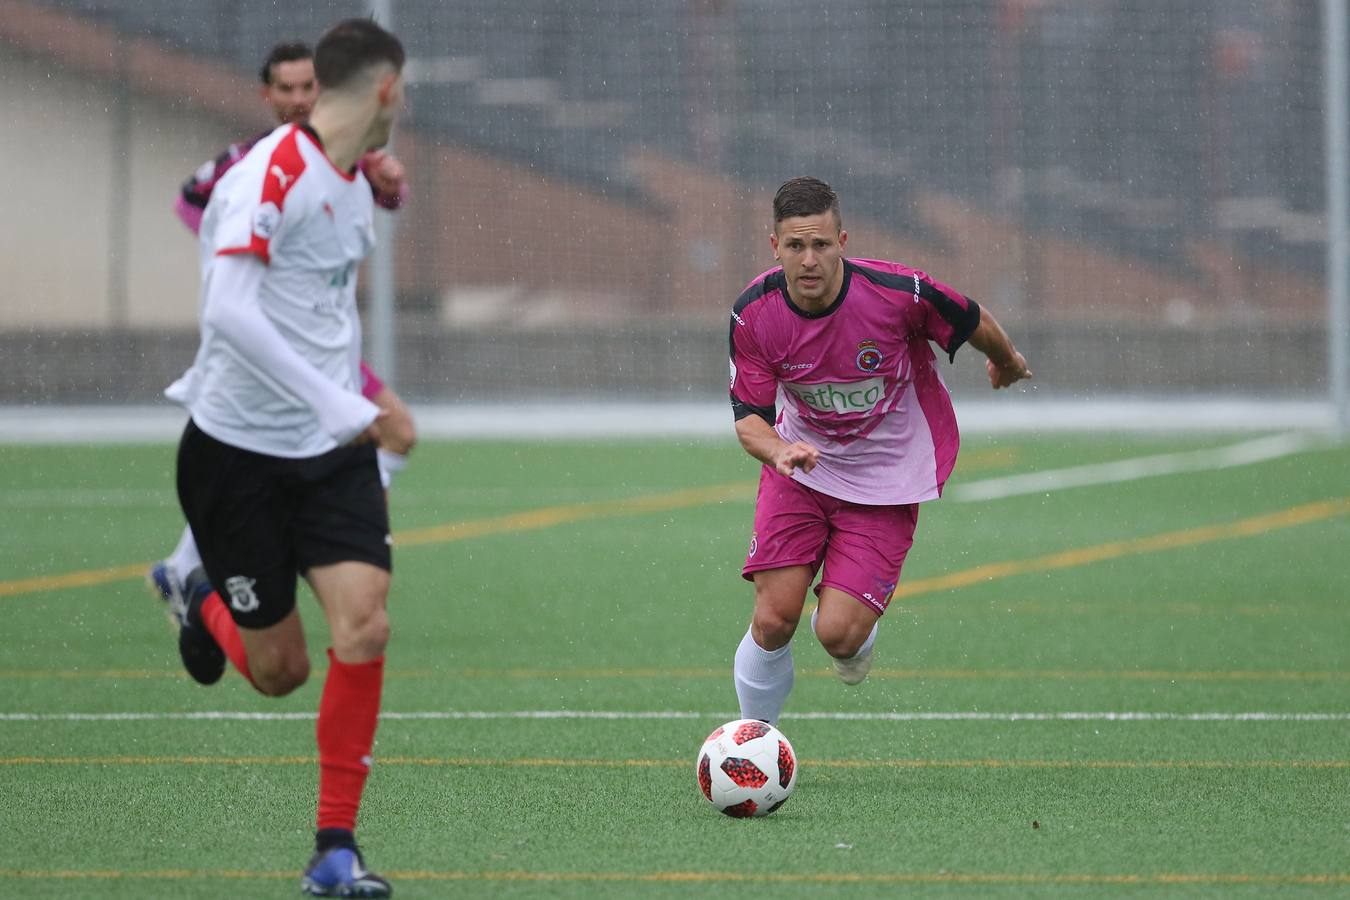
(290, 89)
(835, 391)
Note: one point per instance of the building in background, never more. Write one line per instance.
(1125, 177)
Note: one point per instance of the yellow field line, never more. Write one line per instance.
(988, 458)
(548, 517)
(898, 878)
(560, 763)
(87, 578)
(711, 672)
(1171, 540)
(545, 517)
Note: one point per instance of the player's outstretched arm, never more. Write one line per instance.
(1005, 365)
(763, 443)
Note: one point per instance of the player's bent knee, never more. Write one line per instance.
(282, 677)
(842, 639)
(842, 646)
(364, 636)
(772, 629)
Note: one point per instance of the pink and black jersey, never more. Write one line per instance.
(196, 191)
(856, 380)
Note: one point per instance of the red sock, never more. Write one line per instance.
(220, 623)
(348, 714)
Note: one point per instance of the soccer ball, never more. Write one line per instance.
(746, 768)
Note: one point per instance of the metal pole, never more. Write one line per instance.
(1336, 100)
(119, 197)
(381, 348)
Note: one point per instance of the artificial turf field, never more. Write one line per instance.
(564, 580)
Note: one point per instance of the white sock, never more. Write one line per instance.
(390, 465)
(763, 679)
(185, 557)
(866, 645)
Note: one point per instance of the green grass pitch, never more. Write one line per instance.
(575, 579)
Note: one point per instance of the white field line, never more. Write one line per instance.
(725, 715)
(1246, 453)
(599, 418)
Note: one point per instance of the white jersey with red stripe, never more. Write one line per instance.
(311, 224)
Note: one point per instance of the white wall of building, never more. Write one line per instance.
(58, 151)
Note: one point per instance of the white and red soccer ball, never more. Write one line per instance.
(746, 768)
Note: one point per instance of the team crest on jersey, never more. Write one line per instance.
(869, 357)
(240, 589)
(266, 219)
(754, 543)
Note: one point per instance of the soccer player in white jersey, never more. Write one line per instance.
(277, 473)
(835, 391)
(289, 89)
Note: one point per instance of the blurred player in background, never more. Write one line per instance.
(290, 89)
(277, 472)
(864, 434)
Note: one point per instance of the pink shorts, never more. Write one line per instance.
(370, 382)
(858, 549)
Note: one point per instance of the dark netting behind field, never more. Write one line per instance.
(1134, 186)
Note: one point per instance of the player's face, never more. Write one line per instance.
(292, 90)
(811, 249)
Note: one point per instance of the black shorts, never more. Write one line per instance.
(259, 520)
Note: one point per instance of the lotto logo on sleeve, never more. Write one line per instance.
(849, 397)
(265, 220)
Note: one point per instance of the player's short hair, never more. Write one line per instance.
(291, 51)
(350, 47)
(804, 196)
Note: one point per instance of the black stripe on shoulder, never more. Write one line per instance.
(772, 281)
(964, 320)
(892, 280)
(913, 285)
(751, 294)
